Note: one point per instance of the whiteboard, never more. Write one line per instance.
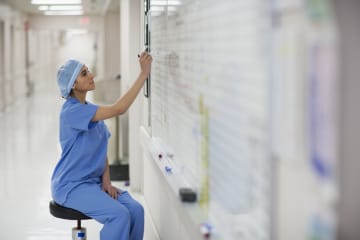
(209, 108)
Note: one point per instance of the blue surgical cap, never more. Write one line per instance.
(67, 75)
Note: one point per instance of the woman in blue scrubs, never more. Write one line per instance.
(81, 179)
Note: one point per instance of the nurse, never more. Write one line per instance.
(81, 178)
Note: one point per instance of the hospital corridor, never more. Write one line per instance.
(179, 120)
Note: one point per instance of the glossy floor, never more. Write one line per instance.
(28, 154)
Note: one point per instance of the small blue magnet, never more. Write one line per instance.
(168, 169)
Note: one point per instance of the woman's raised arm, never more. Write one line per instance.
(123, 103)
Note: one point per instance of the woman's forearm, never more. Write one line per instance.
(123, 103)
(106, 174)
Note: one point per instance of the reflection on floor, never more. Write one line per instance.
(28, 154)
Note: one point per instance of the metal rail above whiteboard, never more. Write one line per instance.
(147, 86)
(147, 89)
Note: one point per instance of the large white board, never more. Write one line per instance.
(209, 108)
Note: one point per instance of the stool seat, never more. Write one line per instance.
(66, 213)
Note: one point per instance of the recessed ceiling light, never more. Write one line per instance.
(54, 2)
(164, 3)
(64, 13)
(65, 7)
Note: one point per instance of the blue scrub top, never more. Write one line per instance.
(84, 147)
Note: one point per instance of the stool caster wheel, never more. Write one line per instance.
(79, 233)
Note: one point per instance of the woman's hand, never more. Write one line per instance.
(106, 183)
(111, 190)
(145, 60)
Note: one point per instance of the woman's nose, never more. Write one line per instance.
(91, 75)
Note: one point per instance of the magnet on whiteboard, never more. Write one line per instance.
(187, 195)
(206, 229)
(168, 169)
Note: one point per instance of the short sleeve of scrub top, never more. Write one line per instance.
(84, 147)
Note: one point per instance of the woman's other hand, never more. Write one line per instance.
(111, 190)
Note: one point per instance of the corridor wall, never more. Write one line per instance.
(12, 71)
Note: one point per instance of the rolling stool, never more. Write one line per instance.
(78, 233)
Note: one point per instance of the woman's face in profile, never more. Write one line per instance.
(85, 80)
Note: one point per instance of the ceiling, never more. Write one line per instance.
(91, 7)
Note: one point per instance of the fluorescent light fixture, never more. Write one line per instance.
(43, 8)
(161, 3)
(60, 8)
(65, 8)
(174, 2)
(164, 3)
(64, 13)
(55, 2)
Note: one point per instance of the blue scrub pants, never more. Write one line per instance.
(123, 218)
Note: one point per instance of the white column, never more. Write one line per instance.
(130, 35)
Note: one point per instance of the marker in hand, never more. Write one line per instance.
(145, 51)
